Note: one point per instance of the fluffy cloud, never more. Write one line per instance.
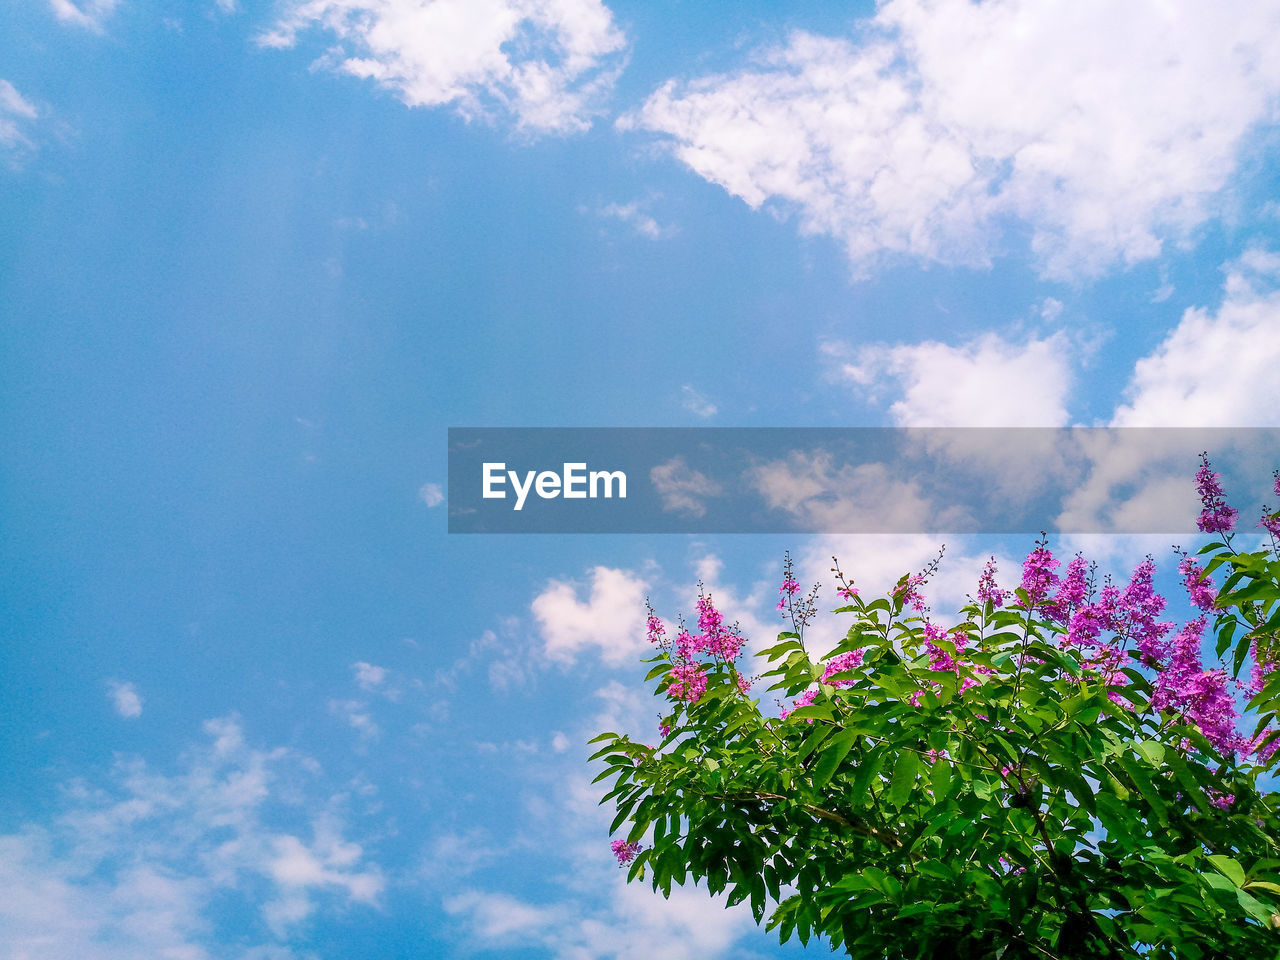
(547, 63)
(1104, 129)
(1216, 369)
(125, 699)
(431, 494)
(988, 382)
(138, 867)
(612, 618)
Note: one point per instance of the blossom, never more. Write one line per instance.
(988, 592)
(688, 682)
(716, 639)
(656, 632)
(788, 590)
(1221, 800)
(1071, 590)
(841, 664)
(1215, 516)
(1038, 576)
(848, 591)
(1138, 607)
(804, 700)
(624, 851)
(1200, 588)
(907, 593)
(744, 684)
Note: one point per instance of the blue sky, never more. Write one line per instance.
(255, 259)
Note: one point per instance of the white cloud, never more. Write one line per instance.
(368, 676)
(16, 114)
(987, 382)
(1216, 369)
(831, 497)
(1105, 129)
(431, 494)
(140, 866)
(88, 14)
(125, 699)
(682, 489)
(356, 715)
(612, 619)
(696, 403)
(545, 62)
(633, 214)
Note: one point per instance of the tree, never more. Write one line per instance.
(1058, 775)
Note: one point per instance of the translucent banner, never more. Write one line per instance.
(855, 480)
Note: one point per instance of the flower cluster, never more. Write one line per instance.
(1200, 589)
(1215, 515)
(688, 682)
(624, 851)
(988, 592)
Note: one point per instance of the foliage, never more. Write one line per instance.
(1055, 776)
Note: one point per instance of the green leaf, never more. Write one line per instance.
(904, 777)
(832, 754)
(1228, 867)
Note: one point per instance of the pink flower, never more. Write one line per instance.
(1071, 591)
(625, 852)
(744, 684)
(688, 682)
(1038, 576)
(1201, 590)
(1215, 515)
(988, 592)
(804, 700)
(848, 591)
(906, 592)
(841, 664)
(656, 632)
(788, 590)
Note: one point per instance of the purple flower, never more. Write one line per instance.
(1201, 590)
(625, 852)
(1038, 576)
(1215, 515)
(988, 592)
(906, 592)
(1071, 590)
(688, 682)
(656, 632)
(840, 664)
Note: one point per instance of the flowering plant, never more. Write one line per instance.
(1058, 775)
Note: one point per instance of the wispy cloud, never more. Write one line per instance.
(696, 402)
(88, 14)
(139, 865)
(634, 215)
(683, 489)
(16, 117)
